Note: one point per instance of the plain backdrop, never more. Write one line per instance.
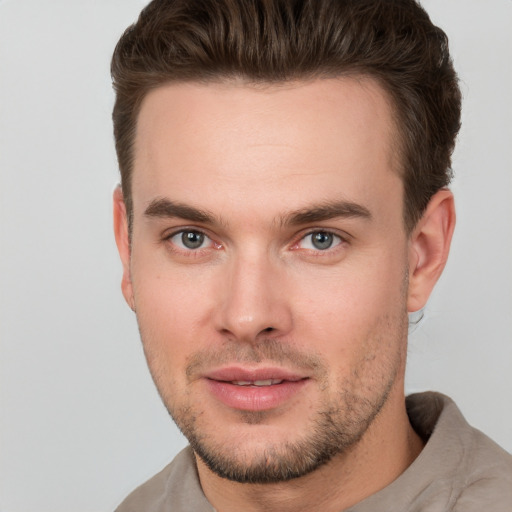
(81, 423)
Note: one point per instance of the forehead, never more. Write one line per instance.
(252, 143)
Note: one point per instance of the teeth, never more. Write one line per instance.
(242, 382)
(268, 382)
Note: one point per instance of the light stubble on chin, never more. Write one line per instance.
(332, 433)
(338, 424)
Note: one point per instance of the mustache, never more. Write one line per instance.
(266, 350)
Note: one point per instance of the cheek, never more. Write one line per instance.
(347, 311)
(166, 295)
(171, 309)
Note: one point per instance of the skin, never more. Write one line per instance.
(248, 163)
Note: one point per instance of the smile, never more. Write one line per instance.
(254, 390)
(257, 383)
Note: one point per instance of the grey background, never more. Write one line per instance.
(81, 423)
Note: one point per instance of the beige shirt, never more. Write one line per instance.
(459, 470)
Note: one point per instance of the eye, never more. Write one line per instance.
(319, 241)
(190, 240)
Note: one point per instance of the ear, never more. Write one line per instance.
(429, 245)
(123, 245)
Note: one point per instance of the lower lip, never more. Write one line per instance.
(254, 398)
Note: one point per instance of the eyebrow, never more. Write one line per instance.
(165, 208)
(327, 211)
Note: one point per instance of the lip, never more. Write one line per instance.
(236, 373)
(252, 397)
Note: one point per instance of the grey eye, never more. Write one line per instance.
(322, 240)
(192, 239)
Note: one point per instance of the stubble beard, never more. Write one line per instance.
(338, 425)
(332, 433)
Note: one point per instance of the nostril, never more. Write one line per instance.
(268, 329)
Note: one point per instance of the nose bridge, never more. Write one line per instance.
(253, 299)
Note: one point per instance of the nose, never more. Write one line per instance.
(253, 302)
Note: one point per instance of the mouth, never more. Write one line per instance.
(257, 383)
(254, 390)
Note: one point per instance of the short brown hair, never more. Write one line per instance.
(392, 41)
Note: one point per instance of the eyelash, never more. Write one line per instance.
(168, 238)
(341, 241)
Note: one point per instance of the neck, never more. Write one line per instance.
(385, 451)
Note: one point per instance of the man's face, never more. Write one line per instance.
(269, 268)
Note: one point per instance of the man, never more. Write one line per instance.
(283, 208)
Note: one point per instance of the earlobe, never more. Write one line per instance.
(123, 244)
(429, 246)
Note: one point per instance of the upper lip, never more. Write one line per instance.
(235, 374)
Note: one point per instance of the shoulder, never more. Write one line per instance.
(150, 495)
(476, 471)
(176, 488)
(487, 477)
